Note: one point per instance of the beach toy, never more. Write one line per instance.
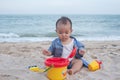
(56, 67)
(37, 69)
(93, 65)
(72, 54)
(59, 69)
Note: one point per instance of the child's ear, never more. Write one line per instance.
(55, 30)
(71, 30)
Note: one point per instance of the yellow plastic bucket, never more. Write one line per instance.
(94, 65)
(58, 70)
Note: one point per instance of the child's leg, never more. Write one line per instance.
(76, 66)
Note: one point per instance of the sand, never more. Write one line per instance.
(16, 57)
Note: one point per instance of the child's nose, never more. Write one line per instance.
(63, 34)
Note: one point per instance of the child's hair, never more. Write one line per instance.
(64, 20)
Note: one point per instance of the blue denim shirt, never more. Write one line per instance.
(56, 48)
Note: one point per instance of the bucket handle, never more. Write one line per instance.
(48, 68)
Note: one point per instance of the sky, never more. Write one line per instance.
(59, 6)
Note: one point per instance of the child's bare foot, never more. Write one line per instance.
(70, 71)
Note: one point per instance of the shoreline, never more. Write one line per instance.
(37, 46)
(15, 58)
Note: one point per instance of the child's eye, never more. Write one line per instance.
(67, 33)
(60, 32)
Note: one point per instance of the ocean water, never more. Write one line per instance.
(33, 28)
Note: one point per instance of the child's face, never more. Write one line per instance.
(64, 31)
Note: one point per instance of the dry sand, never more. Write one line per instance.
(16, 57)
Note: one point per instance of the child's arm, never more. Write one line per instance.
(46, 52)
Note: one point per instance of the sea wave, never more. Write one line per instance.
(104, 38)
(9, 35)
(39, 39)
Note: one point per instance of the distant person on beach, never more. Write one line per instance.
(64, 44)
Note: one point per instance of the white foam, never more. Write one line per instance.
(26, 39)
(8, 35)
(105, 38)
(37, 39)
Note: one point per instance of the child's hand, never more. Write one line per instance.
(46, 52)
(82, 52)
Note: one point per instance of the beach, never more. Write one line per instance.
(16, 57)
